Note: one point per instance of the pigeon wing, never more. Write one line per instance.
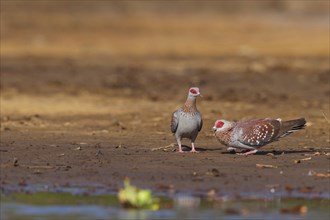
(174, 121)
(200, 121)
(258, 132)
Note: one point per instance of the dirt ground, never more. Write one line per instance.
(88, 101)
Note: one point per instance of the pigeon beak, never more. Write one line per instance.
(214, 129)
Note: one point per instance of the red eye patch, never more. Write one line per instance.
(219, 124)
(193, 91)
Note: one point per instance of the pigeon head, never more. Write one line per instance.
(221, 125)
(194, 92)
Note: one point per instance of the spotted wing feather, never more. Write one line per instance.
(259, 132)
(175, 121)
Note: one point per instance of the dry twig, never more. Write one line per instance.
(163, 148)
(326, 118)
(265, 166)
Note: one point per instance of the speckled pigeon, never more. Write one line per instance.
(253, 134)
(187, 121)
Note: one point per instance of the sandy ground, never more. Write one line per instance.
(88, 102)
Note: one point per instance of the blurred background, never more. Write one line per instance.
(160, 28)
(236, 51)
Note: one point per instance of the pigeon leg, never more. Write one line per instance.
(193, 148)
(179, 143)
(248, 152)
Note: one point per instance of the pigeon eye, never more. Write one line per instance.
(219, 124)
(193, 91)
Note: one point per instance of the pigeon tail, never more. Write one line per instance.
(288, 127)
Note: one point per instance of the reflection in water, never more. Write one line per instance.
(187, 201)
(26, 207)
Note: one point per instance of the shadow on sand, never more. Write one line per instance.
(261, 152)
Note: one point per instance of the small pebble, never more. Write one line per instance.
(15, 162)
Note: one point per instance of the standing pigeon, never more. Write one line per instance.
(187, 121)
(253, 134)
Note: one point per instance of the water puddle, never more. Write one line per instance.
(79, 203)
